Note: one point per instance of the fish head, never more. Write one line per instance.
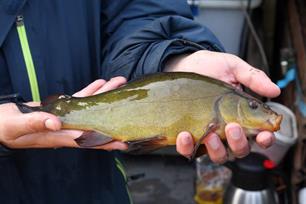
(252, 114)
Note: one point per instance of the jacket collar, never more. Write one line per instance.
(9, 9)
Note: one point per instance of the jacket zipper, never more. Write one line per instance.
(27, 56)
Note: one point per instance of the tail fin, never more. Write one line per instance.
(27, 109)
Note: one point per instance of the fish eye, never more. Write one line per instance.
(253, 104)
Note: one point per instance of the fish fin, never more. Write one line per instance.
(23, 108)
(51, 99)
(146, 145)
(200, 151)
(92, 139)
(211, 127)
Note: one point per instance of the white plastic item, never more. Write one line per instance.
(228, 4)
(302, 196)
(225, 18)
(285, 137)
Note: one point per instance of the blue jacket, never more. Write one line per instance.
(74, 42)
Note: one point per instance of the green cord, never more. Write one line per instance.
(119, 165)
(28, 59)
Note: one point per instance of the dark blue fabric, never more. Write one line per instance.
(74, 42)
(140, 38)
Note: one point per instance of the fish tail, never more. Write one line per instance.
(27, 109)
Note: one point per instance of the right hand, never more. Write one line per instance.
(42, 130)
(233, 70)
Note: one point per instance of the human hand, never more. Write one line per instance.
(42, 130)
(233, 70)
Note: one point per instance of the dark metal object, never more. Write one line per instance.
(251, 182)
(241, 197)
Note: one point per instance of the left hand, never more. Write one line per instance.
(36, 135)
(233, 70)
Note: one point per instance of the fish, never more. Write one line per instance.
(148, 113)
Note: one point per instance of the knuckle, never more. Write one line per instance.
(50, 140)
(220, 159)
(34, 123)
(5, 132)
(241, 155)
(231, 60)
(241, 152)
(99, 80)
(118, 79)
(201, 52)
(232, 57)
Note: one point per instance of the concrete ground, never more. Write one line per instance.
(161, 179)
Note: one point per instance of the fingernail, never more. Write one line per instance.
(186, 140)
(235, 133)
(243, 152)
(214, 143)
(49, 124)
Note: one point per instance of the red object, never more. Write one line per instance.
(269, 164)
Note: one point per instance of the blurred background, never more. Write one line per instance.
(270, 35)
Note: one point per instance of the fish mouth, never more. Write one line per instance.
(275, 122)
(271, 124)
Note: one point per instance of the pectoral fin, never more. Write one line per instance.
(146, 145)
(199, 152)
(209, 129)
(92, 139)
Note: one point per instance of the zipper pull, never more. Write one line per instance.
(19, 20)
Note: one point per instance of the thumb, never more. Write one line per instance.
(35, 122)
(254, 79)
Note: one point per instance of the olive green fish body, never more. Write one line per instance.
(162, 105)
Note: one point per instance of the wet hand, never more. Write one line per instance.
(42, 130)
(233, 70)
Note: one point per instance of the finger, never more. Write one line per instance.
(253, 78)
(90, 89)
(32, 104)
(265, 139)
(33, 122)
(237, 140)
(184, 144)
(63, 138)
(215, 148)
(113, 146)
(112, 84)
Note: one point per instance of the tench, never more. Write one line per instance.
(148, 113)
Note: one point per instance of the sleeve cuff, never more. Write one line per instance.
(180, 46)
(5, 151)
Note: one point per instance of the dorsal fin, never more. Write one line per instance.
(51, 99)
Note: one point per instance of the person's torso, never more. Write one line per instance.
(65, 41)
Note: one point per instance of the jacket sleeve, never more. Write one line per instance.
(140, 35)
